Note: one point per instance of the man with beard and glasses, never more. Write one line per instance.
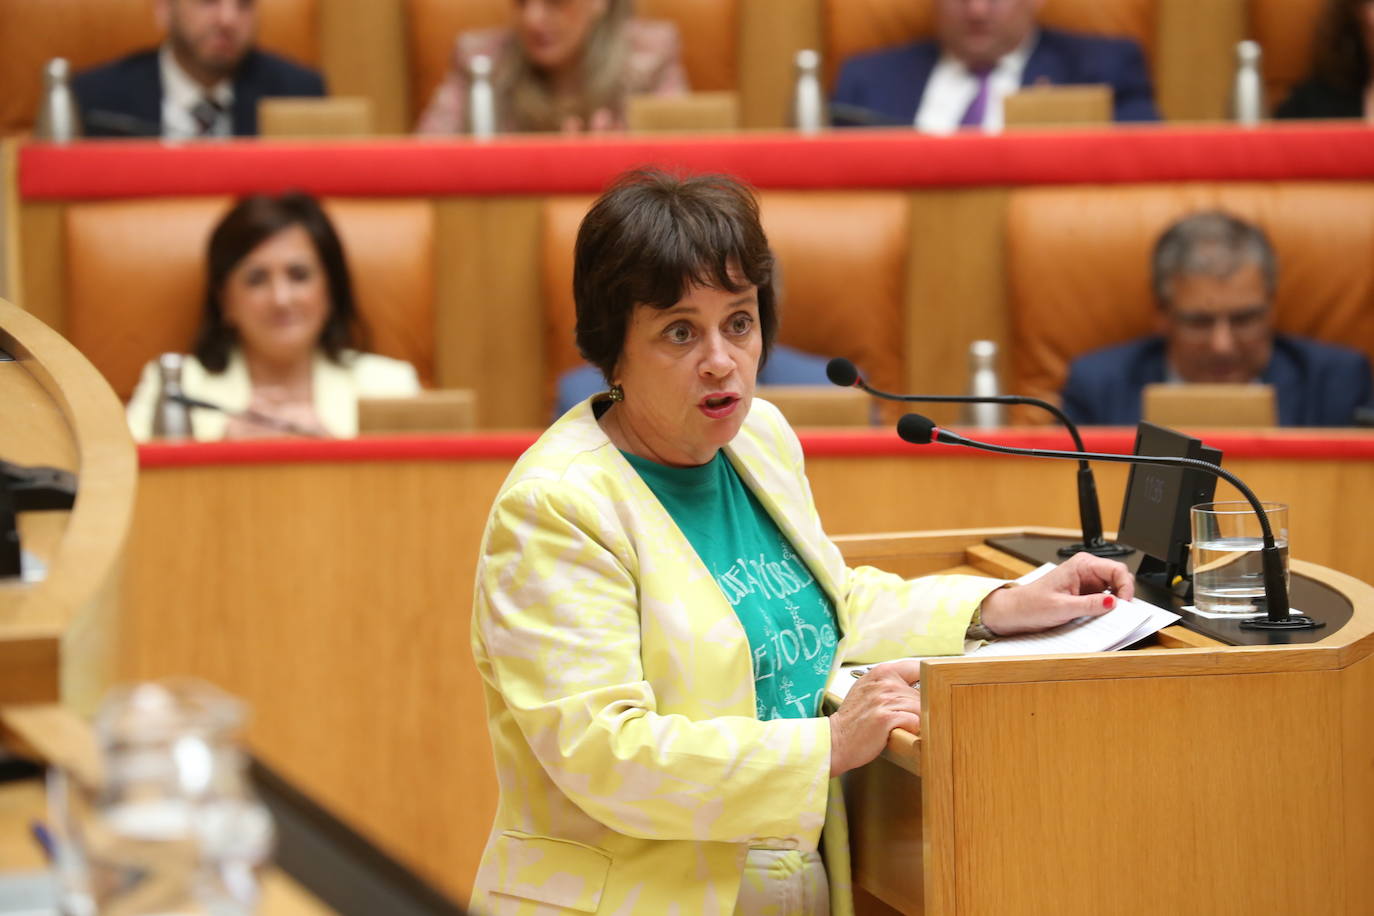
(204, 81)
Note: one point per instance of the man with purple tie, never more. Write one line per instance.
(985, 51)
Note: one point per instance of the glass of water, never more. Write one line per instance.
(1228, 570)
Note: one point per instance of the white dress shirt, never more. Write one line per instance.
(181, 93)
(952, 87)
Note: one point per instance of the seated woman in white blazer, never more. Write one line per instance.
(276, 348)
(658, 610)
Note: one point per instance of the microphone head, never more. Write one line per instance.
(842, 372)
(916, 429)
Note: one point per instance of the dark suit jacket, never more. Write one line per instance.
(1315, 384)
(124, 98)
(1316, 99)
(890, 82)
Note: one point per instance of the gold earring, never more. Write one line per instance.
(617, 393)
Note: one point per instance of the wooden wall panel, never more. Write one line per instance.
(9, 219)
(771, 34)
(956, 288)
(363, 53)
(335, 599)
(1358, 772)
(1197, 57)
(1200, 750)
(490, 331)
(42, 264)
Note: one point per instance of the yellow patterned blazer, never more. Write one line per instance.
(619, 689)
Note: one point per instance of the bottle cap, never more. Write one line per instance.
(56, 70)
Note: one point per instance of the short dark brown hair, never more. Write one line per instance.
(653, 235)
(252, 221)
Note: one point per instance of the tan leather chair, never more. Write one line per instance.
(1286, 30)
(135, 275)
(709, 30)
(91, 32)
(1078, 265)
(842, 258)
(854, 26)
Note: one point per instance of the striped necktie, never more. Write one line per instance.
(206, 114)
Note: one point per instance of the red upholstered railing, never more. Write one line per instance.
(842, 159)
(1291, 445)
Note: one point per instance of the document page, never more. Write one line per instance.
(1127, 623)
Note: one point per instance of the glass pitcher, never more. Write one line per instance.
(174, 828)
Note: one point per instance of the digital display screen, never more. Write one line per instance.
(1155, 516)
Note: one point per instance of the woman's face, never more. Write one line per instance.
(688, 374)
(553, 32)
(277, 298)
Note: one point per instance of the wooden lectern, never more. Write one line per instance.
(1184, 777)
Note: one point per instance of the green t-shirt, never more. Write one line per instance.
(787, 617)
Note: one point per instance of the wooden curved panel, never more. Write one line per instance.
(57, 636)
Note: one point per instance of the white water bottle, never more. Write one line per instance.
(1247, 95)
(808, 103)
(982, 364)
(481, 110)
(171, 417)
(57, 121)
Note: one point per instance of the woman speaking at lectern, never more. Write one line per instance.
(658, 610)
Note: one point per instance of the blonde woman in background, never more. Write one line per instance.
(562, 65)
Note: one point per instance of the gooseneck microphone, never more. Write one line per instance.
(920, 430)
(842, 372)
(252, 416)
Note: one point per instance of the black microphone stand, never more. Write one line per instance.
(1089, 510)
(1278, 615)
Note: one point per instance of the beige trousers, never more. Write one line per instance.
(783, 882)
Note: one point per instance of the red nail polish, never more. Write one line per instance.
(1109, 602)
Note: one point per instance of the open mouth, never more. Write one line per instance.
(718, 405)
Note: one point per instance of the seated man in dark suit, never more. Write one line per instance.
(1214, 278)
(987, 50)
(205, 81)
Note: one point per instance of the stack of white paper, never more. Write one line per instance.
(1127, 623)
